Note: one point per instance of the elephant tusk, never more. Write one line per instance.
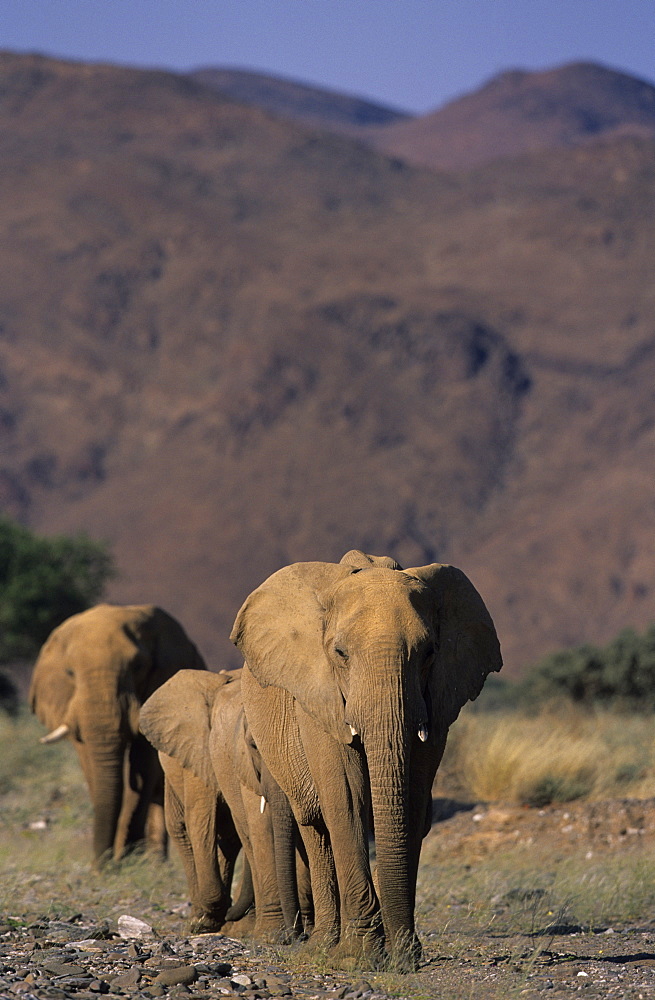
(353, 731)
(262, 804)
(423, 733)
(56, 734)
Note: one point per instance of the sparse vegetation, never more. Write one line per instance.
(488, 923)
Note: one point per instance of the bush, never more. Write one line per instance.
(42, 582)
(621, 674)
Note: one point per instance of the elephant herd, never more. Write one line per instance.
(330, 733)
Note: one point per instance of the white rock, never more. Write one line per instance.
(132, 927)
(242, 979)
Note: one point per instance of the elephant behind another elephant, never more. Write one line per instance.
(216, 782)
(90, 679)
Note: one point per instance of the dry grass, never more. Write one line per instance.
(559, 755)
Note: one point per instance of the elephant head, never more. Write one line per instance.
(382, 659)
(89, 681)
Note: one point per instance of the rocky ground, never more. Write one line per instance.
(72, 958)
(497, 920)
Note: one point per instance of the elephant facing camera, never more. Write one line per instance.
(354, 672)
(90, 679)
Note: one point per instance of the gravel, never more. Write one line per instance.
(51, 959)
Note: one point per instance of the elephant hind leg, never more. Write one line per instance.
(304, 884)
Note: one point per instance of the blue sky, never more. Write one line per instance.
(411, 54)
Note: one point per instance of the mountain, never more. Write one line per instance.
(228, 343)
(516, 112)
(523, 112)
(291, 99)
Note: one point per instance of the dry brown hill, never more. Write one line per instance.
(227, 343)
(522, 112)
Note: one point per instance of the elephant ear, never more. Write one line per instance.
(362, 560)
(52, 686)
(176, 719)
(163, 644)
(468, 645)
(279, 631)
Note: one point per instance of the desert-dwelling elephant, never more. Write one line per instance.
(198, 819)
(197, 723)
(354, 672)
(90, 679)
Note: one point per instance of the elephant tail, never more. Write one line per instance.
(246, 899)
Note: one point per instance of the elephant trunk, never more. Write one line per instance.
(107, 777)
(387, 745)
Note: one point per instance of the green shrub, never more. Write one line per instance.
(621, 674)
(42, 582)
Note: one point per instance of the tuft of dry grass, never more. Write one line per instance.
(561, 754)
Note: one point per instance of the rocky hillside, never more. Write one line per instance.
(291, 99)
(227, 343)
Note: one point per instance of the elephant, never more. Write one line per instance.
(90, 679)
(353, 673)
(219, 796)
(198, 819)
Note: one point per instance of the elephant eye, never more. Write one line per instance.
(428, 657)
(341, 653)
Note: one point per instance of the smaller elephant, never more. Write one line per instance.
(219, 794)
(198, 819)
(90, 679)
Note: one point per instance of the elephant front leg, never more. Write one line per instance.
(339, 773)
(324, 888)
(139, 825)
(269, 919)
(193, 818)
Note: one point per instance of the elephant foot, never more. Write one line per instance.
(352, 953)
(205, 923)
(274, 935)
(320, 942)
(242, 929)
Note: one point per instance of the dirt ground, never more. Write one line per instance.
(539, 937)
(512, 902)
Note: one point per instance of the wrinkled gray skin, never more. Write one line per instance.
(90, 679)
(354, 672)
(215, 788)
